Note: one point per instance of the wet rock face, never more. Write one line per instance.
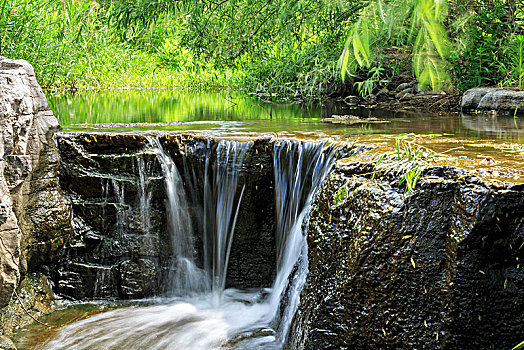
(34, 216)
(121, 248)
(436, 269)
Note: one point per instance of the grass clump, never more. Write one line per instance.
(411, 160)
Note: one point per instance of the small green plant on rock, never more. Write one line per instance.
(409, 159)
(341, 193)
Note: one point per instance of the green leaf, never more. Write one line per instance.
(519, 346)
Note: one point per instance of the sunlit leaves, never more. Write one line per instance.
(432, 45)
(381, 24)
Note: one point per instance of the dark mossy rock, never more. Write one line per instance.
(115, 251)
(435, 269)
(34, 298)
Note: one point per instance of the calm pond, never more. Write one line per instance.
(224, 113)
(233, 112)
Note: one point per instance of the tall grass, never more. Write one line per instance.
(64, 40)
(78, 43)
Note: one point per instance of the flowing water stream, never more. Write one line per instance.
(200, 312)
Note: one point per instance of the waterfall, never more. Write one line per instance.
(188, 278)
(221, 205)
(221, 208)
(121, 214)
(145, 195)
(300, 170)
(205, 315)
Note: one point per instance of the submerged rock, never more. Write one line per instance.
(435, 269)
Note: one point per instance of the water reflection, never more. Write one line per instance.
(167, 105)
(497, 126)
(226, 112)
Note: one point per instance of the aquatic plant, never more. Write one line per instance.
(411, 159)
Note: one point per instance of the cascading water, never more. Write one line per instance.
(195, 318)
(221, 209)
(188, 278)
(121, 208)
(145, 195)
(300, 170)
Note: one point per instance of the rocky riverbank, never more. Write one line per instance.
(436, 269)
(34, 216)
(406, 98)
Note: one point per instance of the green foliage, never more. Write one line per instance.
(415, 23)
(515, 54)
(487, 45)
(341, 194)
(515, 117)
(287, 49)
(485, 48)
(409, 159)
(366, 87)
(284, 48)
(432, 46)
(81, 43)
(64, 40)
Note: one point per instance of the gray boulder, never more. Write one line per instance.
(488, 99)
(504, 101)
(33, 212)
